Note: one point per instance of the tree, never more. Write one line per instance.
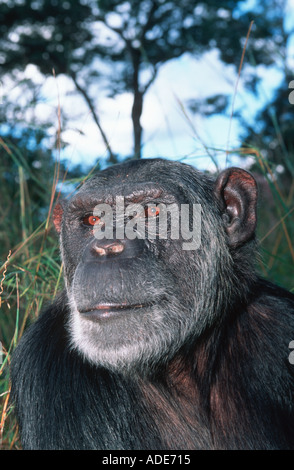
(132, 38)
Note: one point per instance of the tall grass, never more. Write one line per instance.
(29, 277)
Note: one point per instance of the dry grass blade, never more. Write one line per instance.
(236, 86)
(3, 276)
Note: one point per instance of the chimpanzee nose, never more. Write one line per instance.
(114, 248)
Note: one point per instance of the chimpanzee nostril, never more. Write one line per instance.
(115, 248)
(99, 250)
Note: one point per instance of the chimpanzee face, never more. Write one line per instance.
(146, 247)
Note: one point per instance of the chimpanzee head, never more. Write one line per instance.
(149, 250)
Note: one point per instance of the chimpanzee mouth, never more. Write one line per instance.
(111, 310)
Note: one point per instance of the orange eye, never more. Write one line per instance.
(91, 220)
(152, 211)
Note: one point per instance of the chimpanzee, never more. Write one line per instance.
(164, 337)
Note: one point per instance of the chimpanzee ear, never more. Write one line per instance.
(57, 216)
(236, 191)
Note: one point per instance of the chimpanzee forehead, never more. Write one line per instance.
(139, 180)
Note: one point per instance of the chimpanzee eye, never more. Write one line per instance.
(152, 211)
(90, 220)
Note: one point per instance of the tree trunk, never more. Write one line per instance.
(137, 128)
(137, 104)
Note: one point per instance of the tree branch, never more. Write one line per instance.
(154, 75)
(94, 114)
(149, 20)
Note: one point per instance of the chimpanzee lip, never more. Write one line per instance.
(113, 306)
(107, 310)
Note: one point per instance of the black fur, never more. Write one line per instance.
(228, 385)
